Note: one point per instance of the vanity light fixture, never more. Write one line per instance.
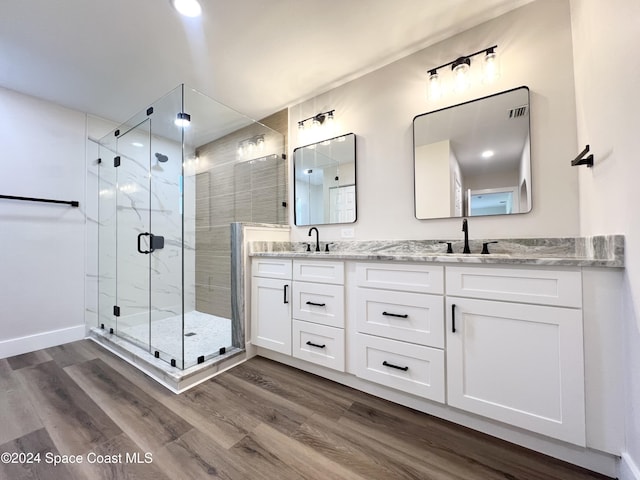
(460, 68)
(318, 119)
(188, 8)
(182, 120)
(251, 145)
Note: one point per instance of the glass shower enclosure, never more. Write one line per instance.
(172, 179)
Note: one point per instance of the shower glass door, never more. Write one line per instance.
(133, 227)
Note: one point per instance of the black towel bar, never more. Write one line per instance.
(73, 203)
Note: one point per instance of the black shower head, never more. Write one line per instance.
(161, 158)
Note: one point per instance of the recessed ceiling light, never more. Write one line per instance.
(487, 154)
(188, 8)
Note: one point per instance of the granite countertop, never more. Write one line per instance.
(597, 251)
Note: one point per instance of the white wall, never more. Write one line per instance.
(607, 68)
(432, 167)
(42, 151)
(534, 44)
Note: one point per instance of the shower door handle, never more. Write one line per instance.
(156, 242)
(140, 235)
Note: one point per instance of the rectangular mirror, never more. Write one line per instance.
(325, 181)
(474, 158)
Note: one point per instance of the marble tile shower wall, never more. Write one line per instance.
(232, 189)
(123, 202)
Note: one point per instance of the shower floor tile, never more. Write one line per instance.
(204, 334)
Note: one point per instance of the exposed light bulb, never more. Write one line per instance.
(461, 73)
(329, 120)
(188, 8)
(435, 89)
(490, 67)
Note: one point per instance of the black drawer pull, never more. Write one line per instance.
(286, 287)
(395, 315)
(316, 304)
(316, 345)
(453, 318)
(387, 364)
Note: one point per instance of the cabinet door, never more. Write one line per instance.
(520, 364)
(271, 314)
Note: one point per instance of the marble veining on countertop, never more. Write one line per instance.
(596, 251)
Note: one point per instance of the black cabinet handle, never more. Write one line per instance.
(395, 315)
(453, 318)
(286, 288)
(387, 364)
(315, 345)
(316, 304)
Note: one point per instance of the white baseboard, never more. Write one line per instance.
(30, 343)
(628, 468)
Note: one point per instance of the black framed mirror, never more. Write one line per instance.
(325, 181)
(474, 158)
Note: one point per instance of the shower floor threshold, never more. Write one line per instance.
(174, 379)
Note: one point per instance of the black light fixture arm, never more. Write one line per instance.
(463, 59)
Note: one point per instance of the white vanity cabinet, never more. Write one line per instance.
(527, 353)
(271, 304)
(318, 312)
(400, 324)
(297, 308)
(515, 347)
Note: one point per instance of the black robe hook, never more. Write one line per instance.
(579, 160)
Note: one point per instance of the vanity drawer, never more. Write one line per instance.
(319, 344)
(538, 286)
(400, 276)
(411, 368)
(323, 271)
(319, 303)
(271, 268)
(410, 317)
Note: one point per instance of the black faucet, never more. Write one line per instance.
(465, 229)
(317, 237)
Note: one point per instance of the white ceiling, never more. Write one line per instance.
(113, 58)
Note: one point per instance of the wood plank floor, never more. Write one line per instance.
(259, 421)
